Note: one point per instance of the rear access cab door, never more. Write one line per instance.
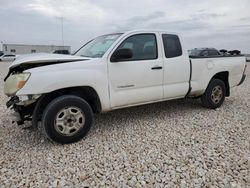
(139, 79)
(177, 68)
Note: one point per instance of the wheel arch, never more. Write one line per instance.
(85, 92)
(223, 76)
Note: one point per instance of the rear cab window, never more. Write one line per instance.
(172, 45)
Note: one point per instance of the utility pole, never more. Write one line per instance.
(62, 34)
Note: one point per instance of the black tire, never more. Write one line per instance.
(51, 113)
(207, 98)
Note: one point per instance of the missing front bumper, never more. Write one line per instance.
(16, 118)
(21, 113)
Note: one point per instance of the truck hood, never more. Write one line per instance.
(44, 58)
(24, 62)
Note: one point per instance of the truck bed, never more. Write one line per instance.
(204, 68)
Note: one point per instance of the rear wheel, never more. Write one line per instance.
(67, 119)
(214, 95)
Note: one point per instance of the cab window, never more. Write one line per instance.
(143, 46)
(172, 45)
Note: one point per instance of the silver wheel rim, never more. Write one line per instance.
(69, 121)
(217, 94)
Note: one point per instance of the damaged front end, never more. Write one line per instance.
(23, 107)
(19, 75)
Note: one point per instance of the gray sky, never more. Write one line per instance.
(213, 23)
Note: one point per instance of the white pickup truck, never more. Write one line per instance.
(61, 92)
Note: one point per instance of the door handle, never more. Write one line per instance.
(156, 68)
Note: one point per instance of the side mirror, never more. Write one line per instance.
(121, 55)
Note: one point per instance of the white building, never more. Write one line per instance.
(1, 46)
(27, 49)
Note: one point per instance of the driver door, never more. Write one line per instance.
(138, 79)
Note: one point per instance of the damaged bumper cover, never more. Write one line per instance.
(12, 101)
(23, 100)
(242, 79)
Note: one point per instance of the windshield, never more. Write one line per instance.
(98, 46)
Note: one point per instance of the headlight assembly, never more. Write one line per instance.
(15, 82)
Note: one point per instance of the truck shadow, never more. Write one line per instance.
(118, 119)
(146, 112)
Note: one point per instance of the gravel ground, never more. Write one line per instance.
(170, 144)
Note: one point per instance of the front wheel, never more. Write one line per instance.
(67, 119)
(214, 95)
